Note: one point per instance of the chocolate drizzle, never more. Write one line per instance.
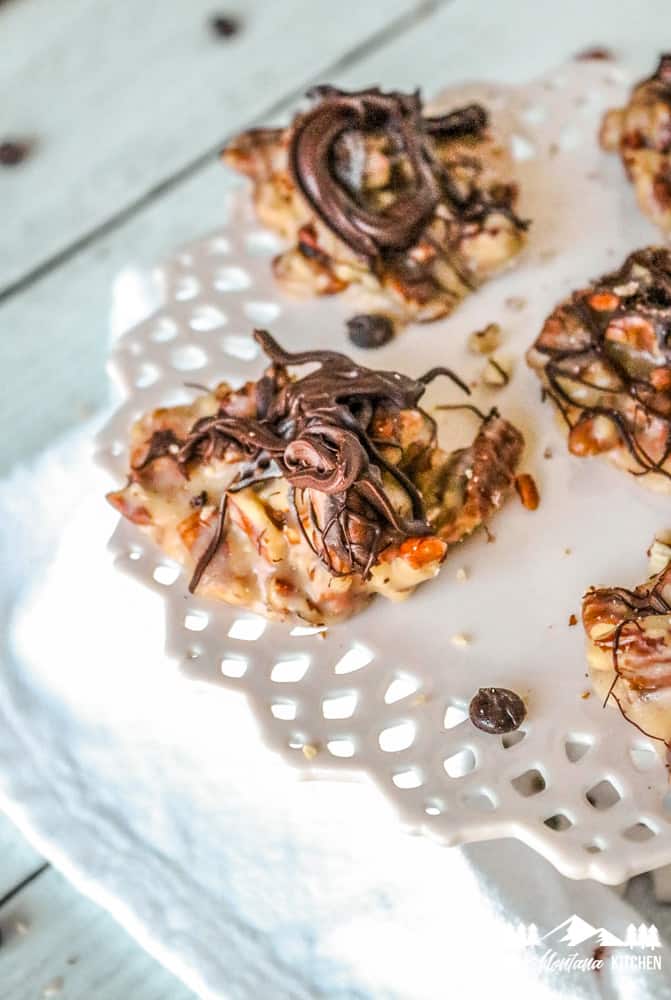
(317, 430)
(643, 285)
(374, 234)
(631, 606)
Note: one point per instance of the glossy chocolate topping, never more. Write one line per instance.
(497, 710)
(317, 430)
(312, 163)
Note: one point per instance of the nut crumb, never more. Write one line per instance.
(548, 453)
(596, 52)
(572, 621)
(515, 302)
(486, 340)
(461, 574)
(54, 987)
(585, 695)
(460, 639)
(310, 750)
(630, 288)
(527, 491)
(568, 552)
(495, 375)
(659, 555)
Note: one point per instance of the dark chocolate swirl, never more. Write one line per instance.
(324, 457)
(372, 234)
(317, 432)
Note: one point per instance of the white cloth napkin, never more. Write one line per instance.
(157, 798)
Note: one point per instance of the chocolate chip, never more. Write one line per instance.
(224, 26)
(370, 330)
(497, 710)
(13, 152)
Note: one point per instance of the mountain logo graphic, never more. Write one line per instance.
(574, 931)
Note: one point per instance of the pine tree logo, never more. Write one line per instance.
(643, 936)
(527, 936)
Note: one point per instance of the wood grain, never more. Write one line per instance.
(58, 944)
(18, 861)
(126, 102)
(53, 336)
(120, 96)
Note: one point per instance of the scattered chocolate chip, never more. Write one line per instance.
(199, 500)
(370, 330)
(597, 52)
(13, 152)
(224, 25)
(497, 710)
(547, 452)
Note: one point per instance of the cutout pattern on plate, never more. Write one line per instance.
(387, 693)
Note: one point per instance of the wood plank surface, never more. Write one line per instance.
(121, 96)
(53, 336)
(18, 861)
(127, 102)
(53, 333)
(58, 944)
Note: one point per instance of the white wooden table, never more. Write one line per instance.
(124, 105)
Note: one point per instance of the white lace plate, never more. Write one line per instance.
(385, 695)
